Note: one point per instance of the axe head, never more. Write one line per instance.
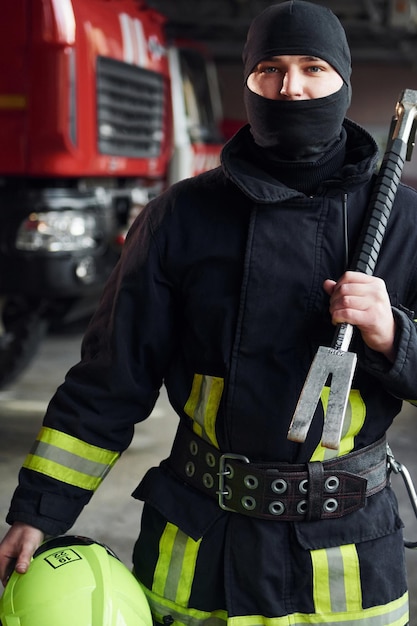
(335, 365)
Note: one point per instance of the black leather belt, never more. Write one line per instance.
(280, 491)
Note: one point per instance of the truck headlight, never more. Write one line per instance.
(59, 231)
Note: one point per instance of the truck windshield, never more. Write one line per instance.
(198, 97)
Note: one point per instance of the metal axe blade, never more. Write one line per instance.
(334, 365)
(338, 366)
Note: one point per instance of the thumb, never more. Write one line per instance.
(25, 555)
(17, 548)
(23, 562)
(329, 286)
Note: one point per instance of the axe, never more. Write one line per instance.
(336, 364)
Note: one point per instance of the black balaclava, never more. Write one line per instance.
(300, 129)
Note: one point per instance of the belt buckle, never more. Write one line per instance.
(223, 491)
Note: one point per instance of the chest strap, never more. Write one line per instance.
(280, 491)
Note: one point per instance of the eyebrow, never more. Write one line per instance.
(302, 58)
(310, 58)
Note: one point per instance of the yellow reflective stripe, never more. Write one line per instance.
(192, 401)
(161, 607)
(70, 460)
(354, 421)
(203, 405)
(336, 580)
(392, 614)
(352, 424)
(166, 544)
(63, 474)
(76, 446)
(174, 572)
(321, 582)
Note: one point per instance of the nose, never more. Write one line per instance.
(291, 85)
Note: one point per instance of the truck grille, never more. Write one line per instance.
(130, 109)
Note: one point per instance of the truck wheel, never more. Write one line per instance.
(22, 328)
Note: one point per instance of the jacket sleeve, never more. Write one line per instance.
(400, 377)
(397, 265)
(90, 419)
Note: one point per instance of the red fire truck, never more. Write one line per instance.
(98, 113)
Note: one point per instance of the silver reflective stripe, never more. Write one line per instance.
(70, 460)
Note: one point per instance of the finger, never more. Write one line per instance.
(362, 283)
(345, 290)
(347, 305)
(357, 277)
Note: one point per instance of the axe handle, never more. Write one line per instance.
(381, 202)
(399, 149)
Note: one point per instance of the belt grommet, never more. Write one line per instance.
(279, 486)
(210, 459)
(227, 493)
(303, 486)
(248, 503)
(208, 481)
(193, 447)
(251, 482)
(276, 508)
(229, 471)
(330, 505)
(302, 507)
(331, 484)
(190, 468)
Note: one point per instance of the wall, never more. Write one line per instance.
(376, 88)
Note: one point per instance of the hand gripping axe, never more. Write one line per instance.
(336, 364)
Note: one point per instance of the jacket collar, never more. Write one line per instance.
(240, 166)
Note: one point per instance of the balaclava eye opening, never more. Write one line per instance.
(302, 129)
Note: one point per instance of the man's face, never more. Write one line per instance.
(294, 77)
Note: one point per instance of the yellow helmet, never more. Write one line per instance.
(74, 581)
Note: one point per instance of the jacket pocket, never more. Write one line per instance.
(378, 518)
(180, 504)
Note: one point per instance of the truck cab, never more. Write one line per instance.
(98, 114)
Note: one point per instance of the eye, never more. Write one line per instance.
(267, 69)
(314, 69)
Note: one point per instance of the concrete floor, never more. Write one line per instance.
(112, 516)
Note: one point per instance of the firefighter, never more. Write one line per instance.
(227, 285)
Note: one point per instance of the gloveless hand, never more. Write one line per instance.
(17, 548)
(363, 301)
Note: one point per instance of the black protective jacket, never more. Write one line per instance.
(219, 296)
